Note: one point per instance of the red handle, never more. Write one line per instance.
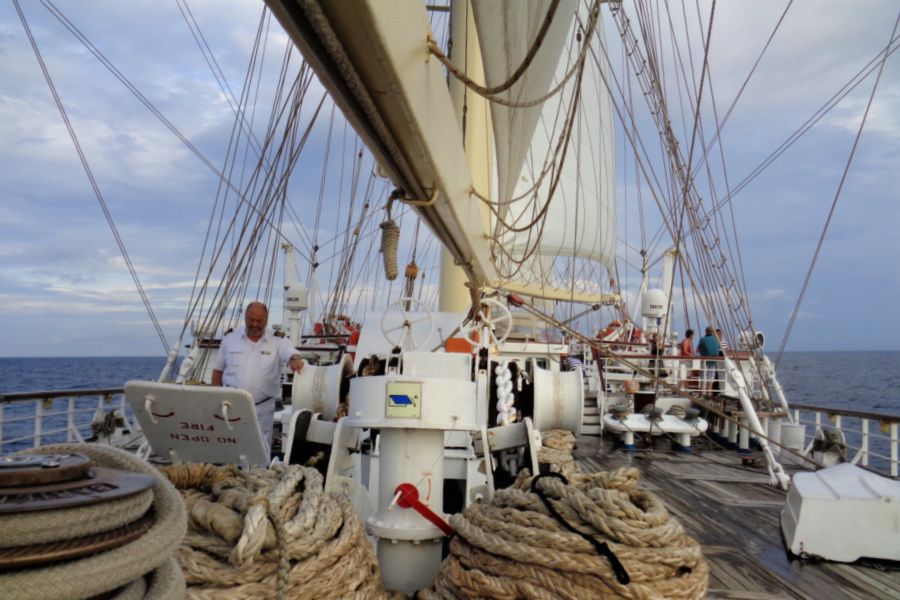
(409, 498)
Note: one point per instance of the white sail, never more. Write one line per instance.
(581, 219)
(502, 55)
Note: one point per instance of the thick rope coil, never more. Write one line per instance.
(317, 547)
(118, 570)
(556, 451)
(514, 546)
(390, 236)
(676, 410)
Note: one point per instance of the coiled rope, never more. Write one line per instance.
(516, 547)
(271, 533)
(390, 236)
(119, 573)
(556, 451)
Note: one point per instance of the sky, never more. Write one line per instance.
(64, 286)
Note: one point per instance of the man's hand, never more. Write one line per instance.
(296, 364)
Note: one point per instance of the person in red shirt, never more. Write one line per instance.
(686, 347)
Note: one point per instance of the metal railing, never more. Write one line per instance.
(32, 419)
(870, 439)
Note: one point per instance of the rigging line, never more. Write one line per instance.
(298, 91)
(324, 176)
(834, 203)
(818, 115)
(90, 175)
(135, 92)
(541, 216)
(740, 92)
(213, 64)
(526, 62)
(656, 104)
(470, 84)
(703, 72)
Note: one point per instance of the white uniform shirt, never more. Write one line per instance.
(254, 366)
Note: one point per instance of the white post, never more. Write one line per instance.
(478, 140)
(744, 437)
(404, 537)
(893, 449)
(779, 392)
(776, 472)
(864, 446)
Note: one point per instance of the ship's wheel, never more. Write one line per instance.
(481, 330)
(402, 336)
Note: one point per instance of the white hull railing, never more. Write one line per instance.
(33, 419)
(870, 439)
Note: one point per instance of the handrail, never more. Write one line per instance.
(19, 396)
(847, 412)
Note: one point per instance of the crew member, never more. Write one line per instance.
(709, 346)
(250, 358)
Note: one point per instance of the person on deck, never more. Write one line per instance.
(573, 363)
(723, 343)
(250, 358)
(709, 346)
(724, 347)
(686, 348)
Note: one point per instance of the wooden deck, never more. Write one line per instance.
(734, 513)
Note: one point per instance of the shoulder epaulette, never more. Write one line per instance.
(279, 333)
(227, 332)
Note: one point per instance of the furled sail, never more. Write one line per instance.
(507, 31)
(574, 141)
(582, 216)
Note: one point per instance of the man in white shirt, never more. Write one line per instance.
(250, 358)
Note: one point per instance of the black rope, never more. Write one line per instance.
(602, 547)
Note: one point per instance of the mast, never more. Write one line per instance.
(473, 114)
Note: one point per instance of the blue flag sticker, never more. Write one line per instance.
(404, 400)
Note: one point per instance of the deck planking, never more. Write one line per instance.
(734, 513)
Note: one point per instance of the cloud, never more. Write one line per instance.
(62, 269)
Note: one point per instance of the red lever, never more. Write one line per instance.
(409, 498)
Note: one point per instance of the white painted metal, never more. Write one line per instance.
(489, 327)
(793, 436)
(446, 404)
(639, 423)
(318, 389)
(408, 545)
(403, 335)
(654, 304)
(558, 399)
(372, 340)
(737, 382)
(193, 423)
(412, 413)
(861, 510)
